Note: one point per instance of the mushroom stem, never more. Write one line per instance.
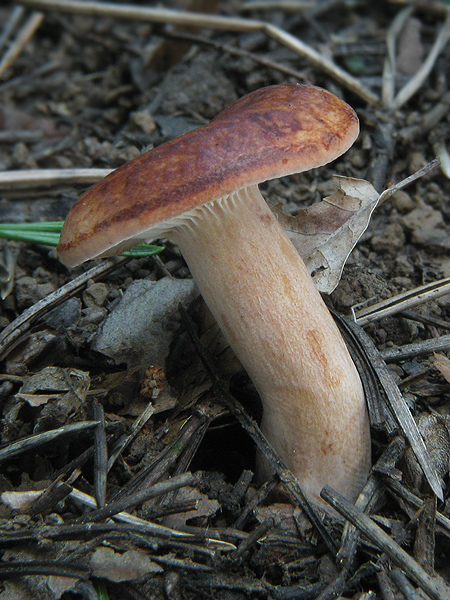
(264, 300)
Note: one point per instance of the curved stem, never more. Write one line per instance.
(264, 300)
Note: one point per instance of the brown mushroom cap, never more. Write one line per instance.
(272, 132)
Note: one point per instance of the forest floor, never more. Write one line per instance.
(90, 417)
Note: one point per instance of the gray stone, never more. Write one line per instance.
(140, 328)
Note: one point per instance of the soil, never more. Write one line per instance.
(95, 92)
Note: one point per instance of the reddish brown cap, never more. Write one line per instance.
(272, 132)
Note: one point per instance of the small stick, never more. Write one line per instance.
(34, 441)
(129, 502)
(405, 300)
(390, 63)
(57, 568)
(441, 344)
(100, 455)
(10, 26)
(21, 41)
(417, 503)
(292, 6)
(399, 408)
(266, 62)
(187, 19)
(433, 586)
(427, 121)
(35, 178)
(266, 488)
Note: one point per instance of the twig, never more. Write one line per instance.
(25, 35)
(135, 428)
(408, 180)
(146, 526)
(428, 120)
(129, 502)
(292, 5)
(405, 587)
(403, 301)
(425, 319)
(259, 497)
(390, 66)
(10, 26)
(34, 441)
(189, 19)
(100, 455)
(161, 465)
(397, 489)
(259, 532)
(433, 586)
(36, 178)
(266, 62)
(44, 567)
(424, 348)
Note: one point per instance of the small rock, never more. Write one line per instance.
(26, 291)
(429, 236)
(139, 329)
(443, 265)
(95, 294)
(402, 201)
(44, 289)
(403, 266)
(358, 158)
(416, 162)
(143, 120)
(391, 239)
(93, 314)
(66, 315)
(422, 218)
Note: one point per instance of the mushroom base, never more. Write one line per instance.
(264, 300)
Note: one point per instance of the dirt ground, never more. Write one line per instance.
(95, 92)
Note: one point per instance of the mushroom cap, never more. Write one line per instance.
(272, 132)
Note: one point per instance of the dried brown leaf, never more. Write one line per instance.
(325, 233)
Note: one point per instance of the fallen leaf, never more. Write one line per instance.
(36, 399)
(70, 386)
(121, 566)
(326, 232)
(56, 379)
(442, 364)
(20, 500)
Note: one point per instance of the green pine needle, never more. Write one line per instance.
(48, 234)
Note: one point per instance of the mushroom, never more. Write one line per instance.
(201, 191)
